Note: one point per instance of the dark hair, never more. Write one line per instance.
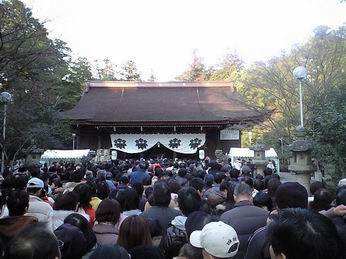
(17, 202)
(263, 199)
(66, 201)
(182, 172)
(109, 252)
(82, 223)
(197, 220)
(173, 186)
(134, 231)
(209, 180)
(128, 199)
(197, 183)
(272, 186)
(258, 185)
(28, 244)
(146, 252)
(108, 211)
(146, 181)
(102, 190)
(218, 177)
(161, 194)
(341, 196)
(322, 200)
(77, 176)
(138, 187)
(315, 186)
(158, 172)
(85, 195)
(124, 179)
(267, 172)
(234, 173)
(189, 200)
(248, 181)
(190, 252)
(300, 233)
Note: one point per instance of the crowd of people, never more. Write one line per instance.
(164, 209)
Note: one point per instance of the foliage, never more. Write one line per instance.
(197, 70)
(40, 75)
(129, 72)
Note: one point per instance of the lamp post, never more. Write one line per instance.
(300, 74)
(5, 98)
(73, 140)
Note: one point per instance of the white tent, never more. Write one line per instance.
(69, 155)
(246, 153)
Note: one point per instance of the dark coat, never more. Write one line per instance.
(258, 247)
(245, 218)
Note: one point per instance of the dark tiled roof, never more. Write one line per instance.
(121, 103)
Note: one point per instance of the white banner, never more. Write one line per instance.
(137, 143)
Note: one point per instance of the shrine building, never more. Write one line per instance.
(149, 119)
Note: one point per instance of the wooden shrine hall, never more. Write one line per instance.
(148, 119)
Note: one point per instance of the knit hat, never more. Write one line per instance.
(217, 238)
(291, 195)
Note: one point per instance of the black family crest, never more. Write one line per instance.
(174, 143)
(141, 143)
(120, 143)
(194, 143)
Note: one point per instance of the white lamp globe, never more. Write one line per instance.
(300, 73)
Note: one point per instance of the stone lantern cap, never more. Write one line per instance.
(300, 144)
(259, 147)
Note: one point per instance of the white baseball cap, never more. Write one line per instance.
(217, 238)
(35, 183)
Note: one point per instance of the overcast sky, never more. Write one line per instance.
(161, 35)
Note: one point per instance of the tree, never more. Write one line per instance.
(36, 70)
(197, 70)
(272, 85)
(105, 70)
(229, 69)
(129, 72)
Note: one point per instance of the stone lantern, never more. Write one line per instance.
(301, 162)
(259, 159)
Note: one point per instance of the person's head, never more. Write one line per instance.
(27, 244)
(242, 192)
(341, 196)
(322, 200)
(134, 231)
(190, 252)
(66, 201)
(208, 180)
(161, 194)
(144, 165)
(300, 233)
(102, 190)
(146, 252)
(17, 202)
(315, 186)
(35, 187)
(73, 242)
(197, 220)
(108, 211)
(267, 171)
(189, 200)
(77, 176)
(182, 172)
(82, 223)
(85, 194)
(138, 187)
(234, 173)
(218, 177)
(197, 183)
(109, 252)
(263, 200)
(291, 195)
(272, 186)
(217, 239)
(173, 185)
(258, 184)
(128, 199)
